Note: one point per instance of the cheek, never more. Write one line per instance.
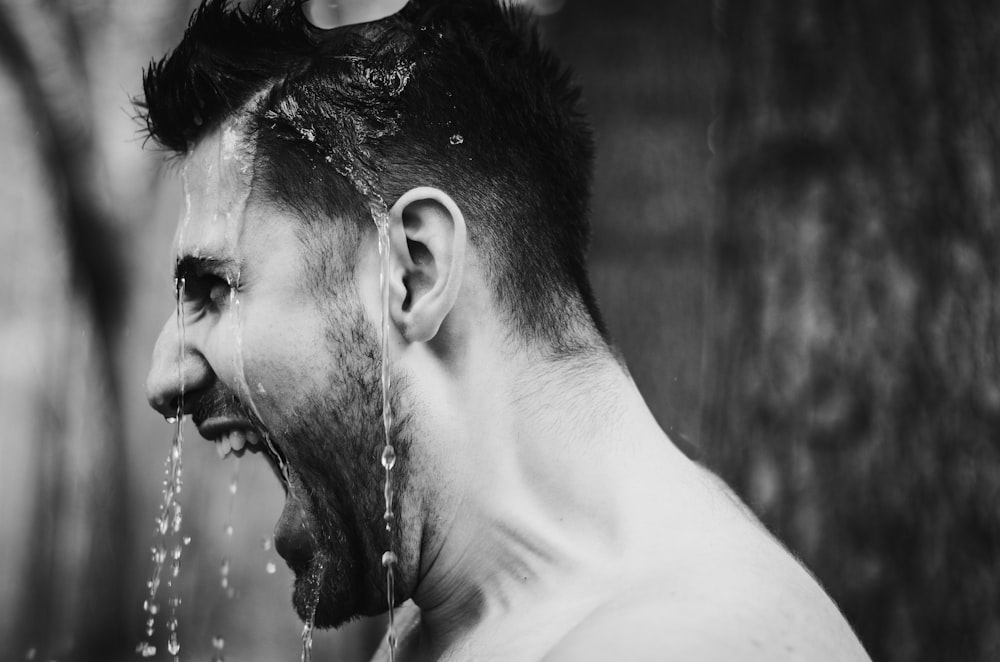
(284, 366)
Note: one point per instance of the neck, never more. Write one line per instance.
(546, 477)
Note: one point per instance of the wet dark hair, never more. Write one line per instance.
(457, 94)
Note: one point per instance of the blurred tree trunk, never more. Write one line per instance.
(854, 391)
(68, 593)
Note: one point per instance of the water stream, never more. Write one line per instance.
(168, 521)
(314, 584)
(381, 217)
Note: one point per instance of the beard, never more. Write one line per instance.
(327, 446)
(331, 531)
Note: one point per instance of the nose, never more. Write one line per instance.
(175, 369)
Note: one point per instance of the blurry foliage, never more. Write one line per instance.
(855, 382)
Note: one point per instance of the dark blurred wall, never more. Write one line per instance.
(854, 393)
(648, 71)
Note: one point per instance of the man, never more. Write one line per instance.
(540, 513)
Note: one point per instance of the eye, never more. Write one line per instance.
(204, 292)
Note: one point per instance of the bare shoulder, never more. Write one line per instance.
(731, 620)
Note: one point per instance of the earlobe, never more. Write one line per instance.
(427, 240)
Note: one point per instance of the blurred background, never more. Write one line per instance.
(795, 238)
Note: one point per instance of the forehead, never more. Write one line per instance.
(216, 179)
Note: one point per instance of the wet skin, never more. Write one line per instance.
(544, 515)
(267, 359)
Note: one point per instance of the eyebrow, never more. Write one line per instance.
(193, 266)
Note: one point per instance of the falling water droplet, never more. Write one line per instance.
(30, 654)
(177, 518)
(146, 649)
(270, 568)
(172, 420)
(266, 544)
(456, 139)
(228, 530)
(389, 456)
(173, 645)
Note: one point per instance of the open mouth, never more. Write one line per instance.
(237, 437)
(294, 535)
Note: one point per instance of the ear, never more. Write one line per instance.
(427, 244)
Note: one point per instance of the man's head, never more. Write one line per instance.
(291, 140)
(446, 93)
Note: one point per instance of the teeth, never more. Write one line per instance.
(237, 440)
(223, 446)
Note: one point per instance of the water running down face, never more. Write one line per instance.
(313, 364)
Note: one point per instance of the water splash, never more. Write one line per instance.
(456, 139)
(342, 134)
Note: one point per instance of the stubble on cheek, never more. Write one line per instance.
(334, 440)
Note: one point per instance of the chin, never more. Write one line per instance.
(344, 594)
(327, 615)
